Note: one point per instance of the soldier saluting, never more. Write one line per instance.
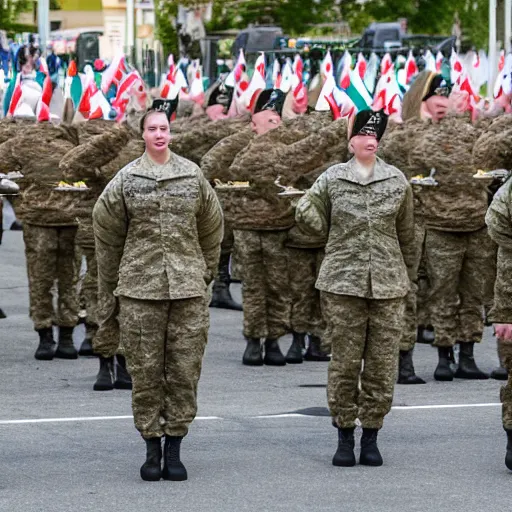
(158, 229)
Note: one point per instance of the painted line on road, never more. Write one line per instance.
(215, 418)
(447, 406)
(84, 418)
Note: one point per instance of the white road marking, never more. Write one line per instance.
(447, 406)
(210, 418)
(84, 418)
(286, 415)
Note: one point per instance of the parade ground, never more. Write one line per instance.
(262, 441)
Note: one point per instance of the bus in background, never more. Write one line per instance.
(82, 44)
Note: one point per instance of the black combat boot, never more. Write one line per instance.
(406, 373)
(46, 349)
(295, 354)
(173, 467)
(444, 371)
(16, 226)
(501, 372)
(370, 455)
(105, 377)
(123, 378)
(221, 297)
(253, 353)
(151, 470)
(508, 457)
(344, 456)
(2, 314)
(425, 334)
(467, 367)
(65, 348)
(86, 349)
(273, 354)
(314, 351)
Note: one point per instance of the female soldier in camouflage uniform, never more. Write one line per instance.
(365, 210)
(158, 230)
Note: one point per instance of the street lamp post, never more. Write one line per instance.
(508, 24)
(130, 29)
(43, 23)
(492, 48)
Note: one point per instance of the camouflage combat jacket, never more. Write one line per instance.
(499, 224)
(36, 153)
(158, 231)
(86, 162)
(459, 202)
(369, 227)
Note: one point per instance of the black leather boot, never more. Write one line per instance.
(406, 373)
(501, 372)
(273, 354)
(16, 226)
(425, 334)
(344, 456)
(253, 353)
(65, 348)
(444, 371)
(508, 457)
(123, 378)
(105, 377)
(467, 367)
(221, 297)
(173, 467)
(294, 354)
(46, 349)
(370, 455)
(151, 470)
(314, 351)
(86, 349)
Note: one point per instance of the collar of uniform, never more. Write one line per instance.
(146, 168)
(381, 172)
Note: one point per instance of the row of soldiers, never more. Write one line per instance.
(286, 140)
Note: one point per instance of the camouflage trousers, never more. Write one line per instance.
(306, 313)
(458, 266)
(164, 343)
(506, 391)
(362, 330)
(265, 288)
(491, 278)
(226, 247)
(415, 301)
(50, 254)
(89, 290)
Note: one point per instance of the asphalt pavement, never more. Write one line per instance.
(263, 440)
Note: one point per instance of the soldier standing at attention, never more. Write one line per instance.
(365, 210)
(158, 230)
(499, 223)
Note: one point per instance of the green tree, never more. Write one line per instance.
(165, 16)
(10, 10)
(294, 16)
(424, 16)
